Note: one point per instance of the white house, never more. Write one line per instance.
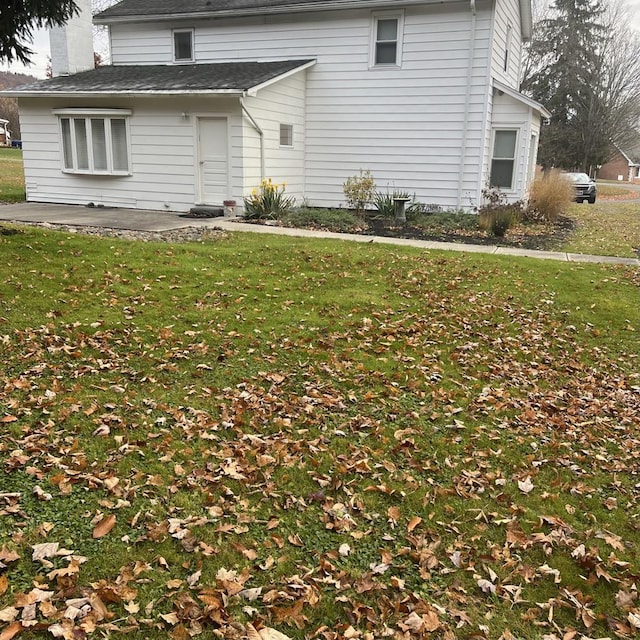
(206, 97)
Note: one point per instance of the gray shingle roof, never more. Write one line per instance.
(221, 77)
(148, 8)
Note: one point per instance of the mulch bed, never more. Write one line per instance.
(540, 237)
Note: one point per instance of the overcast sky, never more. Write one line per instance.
(40, 45)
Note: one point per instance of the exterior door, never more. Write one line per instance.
(214, 160)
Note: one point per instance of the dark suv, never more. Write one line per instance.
(584, 187)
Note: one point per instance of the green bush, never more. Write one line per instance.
(267, 201)
(359, 191)
(549, 197)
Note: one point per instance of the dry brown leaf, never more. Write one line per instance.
(413, 523)
(11, 631)
(104, 526)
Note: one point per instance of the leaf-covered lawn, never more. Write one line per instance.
(330, 440)
(605, 228)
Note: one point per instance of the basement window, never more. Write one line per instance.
(183, 45)
(95, 143)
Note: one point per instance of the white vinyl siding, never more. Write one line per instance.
(403, 124)
(507, 43)
(163, 165)
(281, 102)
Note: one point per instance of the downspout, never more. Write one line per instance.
(255, 125)
(467, 100)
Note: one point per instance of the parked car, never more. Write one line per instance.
(584, 187)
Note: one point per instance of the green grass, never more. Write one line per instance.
(342, 427)
(11, 175)
(605, 228)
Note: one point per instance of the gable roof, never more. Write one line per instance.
(516, 95)
(200, 79)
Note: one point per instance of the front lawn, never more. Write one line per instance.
(11, 175)
(333, 440)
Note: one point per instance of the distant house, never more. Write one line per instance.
(5, 134)
(205, 98)
(624, 165)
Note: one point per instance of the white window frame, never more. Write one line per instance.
(381, 16)
(508, 129)
(507, 48)
(87, 115)
(176, 32)
(287, 129)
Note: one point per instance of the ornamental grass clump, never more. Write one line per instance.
(268, 201)
(549, 197)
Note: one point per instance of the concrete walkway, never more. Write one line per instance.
(158, 221)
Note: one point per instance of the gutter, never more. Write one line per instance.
(255, 125)
(467, 100)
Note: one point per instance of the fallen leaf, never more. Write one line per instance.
(104, 526)
(11, 631)
(526, 486)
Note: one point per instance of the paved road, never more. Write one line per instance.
(140, 220)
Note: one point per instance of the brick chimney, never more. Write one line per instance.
(72, 44)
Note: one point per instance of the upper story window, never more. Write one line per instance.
(507, 48)
(386, 46)
(95, 141)
(183, 45)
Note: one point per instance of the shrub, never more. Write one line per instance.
(359, 191)
(549, 197)
(384, 202)
(496, 221)
(268, 201)
(497, 216)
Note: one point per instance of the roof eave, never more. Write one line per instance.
(516, 95)
(293, 7)
(126, 94)
(263, 85)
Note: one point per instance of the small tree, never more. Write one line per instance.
(359, 191)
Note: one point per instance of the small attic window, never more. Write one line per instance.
(183, 45)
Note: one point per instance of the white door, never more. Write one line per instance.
(214, 161)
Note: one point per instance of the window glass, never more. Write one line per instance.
(82, 151)
(67, 148)
(286, 135)
(386, 41)
(99, 144)
(183, 45)
(94, 143)
(119, 143)
(503, 161)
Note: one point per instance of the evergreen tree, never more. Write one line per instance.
(18, 19)
(563, 74)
